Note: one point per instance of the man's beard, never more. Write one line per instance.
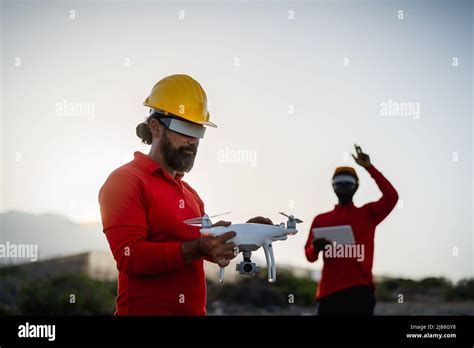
(345, 198)
(177, 158)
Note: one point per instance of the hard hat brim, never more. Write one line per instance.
(202, 123)
(168, 114)
(206, 123)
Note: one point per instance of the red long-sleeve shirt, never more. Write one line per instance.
(341, 273)
(143, 209)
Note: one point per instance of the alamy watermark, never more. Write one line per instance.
(335, 250)
(237, 156)
(19, 251)
(28, 330)
(407, 109)
(76, 109)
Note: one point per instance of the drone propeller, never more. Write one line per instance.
(193, 221)
(291, 217)
(197, 221)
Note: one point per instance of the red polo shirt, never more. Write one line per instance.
(143, 209)
(342, 273)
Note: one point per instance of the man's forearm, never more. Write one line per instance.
(384, 185)
(136, 256)
(191, 250)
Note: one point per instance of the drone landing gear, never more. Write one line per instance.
(247, 267)
(271, 266)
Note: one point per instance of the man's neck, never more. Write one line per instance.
(155, 155)
(345, 201)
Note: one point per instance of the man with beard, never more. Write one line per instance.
(346, 286)
(143, 205)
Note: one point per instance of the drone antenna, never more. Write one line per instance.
(213, 216)
(198, 221)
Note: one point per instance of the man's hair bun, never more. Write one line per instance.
(143, 132)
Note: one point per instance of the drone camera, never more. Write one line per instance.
(247, 268)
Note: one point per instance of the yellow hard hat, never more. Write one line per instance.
(181, 96)
(345, 170)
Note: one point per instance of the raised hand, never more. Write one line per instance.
(362, 159)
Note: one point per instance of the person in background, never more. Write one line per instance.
(346, 286)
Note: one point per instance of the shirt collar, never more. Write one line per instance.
(149, 166)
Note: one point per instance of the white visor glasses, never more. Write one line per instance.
(183, 127)
(344, 178)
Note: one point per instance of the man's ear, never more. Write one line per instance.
(156, 128)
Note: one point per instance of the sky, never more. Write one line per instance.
(291, 85)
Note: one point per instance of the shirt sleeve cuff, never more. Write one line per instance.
(372, 170)
(173, 256)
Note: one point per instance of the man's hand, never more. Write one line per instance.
(319, 244)
(215, 248)
(260, 220)
(222, 223)
(362, 159)
(223, 262)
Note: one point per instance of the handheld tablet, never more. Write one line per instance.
(339, 234)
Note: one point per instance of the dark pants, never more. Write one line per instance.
(357, 300)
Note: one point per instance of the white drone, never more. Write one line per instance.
(249, 237)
